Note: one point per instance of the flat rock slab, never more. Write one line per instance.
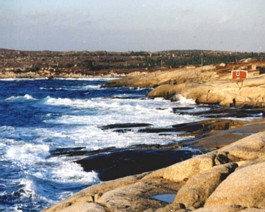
(127, 162)
(224, 112)
(245, 187)
(198, 127)
(219, 139)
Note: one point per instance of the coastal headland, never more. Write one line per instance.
(211, 84)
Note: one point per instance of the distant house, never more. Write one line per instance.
(239, 74)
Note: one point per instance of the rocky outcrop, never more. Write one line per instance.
(205, 85)
(228, 179)
(245, 187)
(199, 187)
(249, 92)
(168, 77)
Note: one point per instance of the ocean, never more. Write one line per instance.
(40, 116)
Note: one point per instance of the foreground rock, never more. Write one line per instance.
(228, 179)
(128, 162)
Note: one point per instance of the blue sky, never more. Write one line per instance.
(132, 25)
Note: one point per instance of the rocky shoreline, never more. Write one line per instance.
(229, 147)
(210, 84)
(226, 179)
(229, 176)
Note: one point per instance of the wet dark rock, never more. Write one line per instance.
(128, 162)
(221, 112)
(68, 151)
(160, 108)
(177, 109)
(207, 125)
(122, 130)
(156, 130)
(195, 128)
(124, 125)
(78, 151)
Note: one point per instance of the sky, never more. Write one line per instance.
(133, 25)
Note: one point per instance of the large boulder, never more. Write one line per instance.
(245, 187)
(248, 148)
(185, 169)
(199, 187)
(85, 207)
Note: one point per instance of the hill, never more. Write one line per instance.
(31, 64)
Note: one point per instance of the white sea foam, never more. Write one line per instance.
(28, 153)
(73, 172)
(20, 98)
(66, 102)
(29, 188)
(34, 159)
(84, 88)
(120, 111)
(184, 101)
(74, 88)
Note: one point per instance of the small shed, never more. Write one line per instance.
(239, 74)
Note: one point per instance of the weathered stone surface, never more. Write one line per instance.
(245, 187)
(172, 77)
(221, 208)
(85, 207)
(136, 197)
(197, 128)
(208, 125)
(227, 93)
(219, 139)
(119, 200)
(92, 193)
(186, 169)
(249, 148)
(173, 207)
(199, 187)
(252, 210)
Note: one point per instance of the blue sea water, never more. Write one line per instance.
(40, 116)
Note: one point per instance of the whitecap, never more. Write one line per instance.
(184, 101)
(76, 103)
(29, 188)
(28, 153)
(20, 98)
(72, 172)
